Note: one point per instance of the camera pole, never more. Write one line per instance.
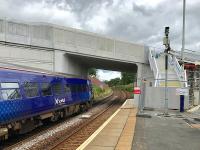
(167, 49)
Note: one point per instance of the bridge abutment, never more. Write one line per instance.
(144, 77)
(63, 63)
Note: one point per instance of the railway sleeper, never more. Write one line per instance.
(3, 133)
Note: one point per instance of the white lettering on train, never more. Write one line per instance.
(59, 101)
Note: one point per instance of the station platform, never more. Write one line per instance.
(117, 132)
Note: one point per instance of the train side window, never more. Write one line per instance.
(67, 88)
(10, 94)
(31, 89)
(46, 89)
(10, 90)
(57, 88)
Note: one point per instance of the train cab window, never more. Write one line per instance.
(74, 88)
(67, 88)
(46, 89)
(79, 86)
(31, 89)
(10, 91)
(57, 88)
(87, 88)
(84, 88)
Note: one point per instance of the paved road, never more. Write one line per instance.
(165, 133)
(197, 112)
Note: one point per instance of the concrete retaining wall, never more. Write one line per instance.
(155, 98)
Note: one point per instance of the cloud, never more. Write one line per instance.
(107, 75)
(138, 21)
(39, 11)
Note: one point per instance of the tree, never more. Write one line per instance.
(92, 72)
(127, 78)
(114, 82)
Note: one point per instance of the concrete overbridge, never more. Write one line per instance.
(71, 51)
(67, 50)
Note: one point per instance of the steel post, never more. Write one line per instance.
(166, 86)
(199, 87)
(183, 33)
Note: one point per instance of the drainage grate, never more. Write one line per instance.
(149, 109)
(144, 115)
(189, 121)
(197, 119)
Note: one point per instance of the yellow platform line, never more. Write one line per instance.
(195, 126)
(126, 137)
(89, 140)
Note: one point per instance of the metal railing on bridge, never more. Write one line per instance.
(153, 65)
(180, 73)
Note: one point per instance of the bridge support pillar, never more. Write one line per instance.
(143, 73)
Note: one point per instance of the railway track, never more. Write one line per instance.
(55, 139)
(16, 140)
(80, 134)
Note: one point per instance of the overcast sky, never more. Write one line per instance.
(137, 21)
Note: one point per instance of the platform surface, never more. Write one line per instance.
(117, 132)
(175, 132)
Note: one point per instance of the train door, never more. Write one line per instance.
(58, 92)
(68, 93)
(91, 95)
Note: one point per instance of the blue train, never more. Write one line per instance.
(27, 98)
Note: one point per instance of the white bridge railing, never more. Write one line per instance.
(180, 72)
(154, 66)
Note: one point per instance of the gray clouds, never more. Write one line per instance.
(138, 21)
